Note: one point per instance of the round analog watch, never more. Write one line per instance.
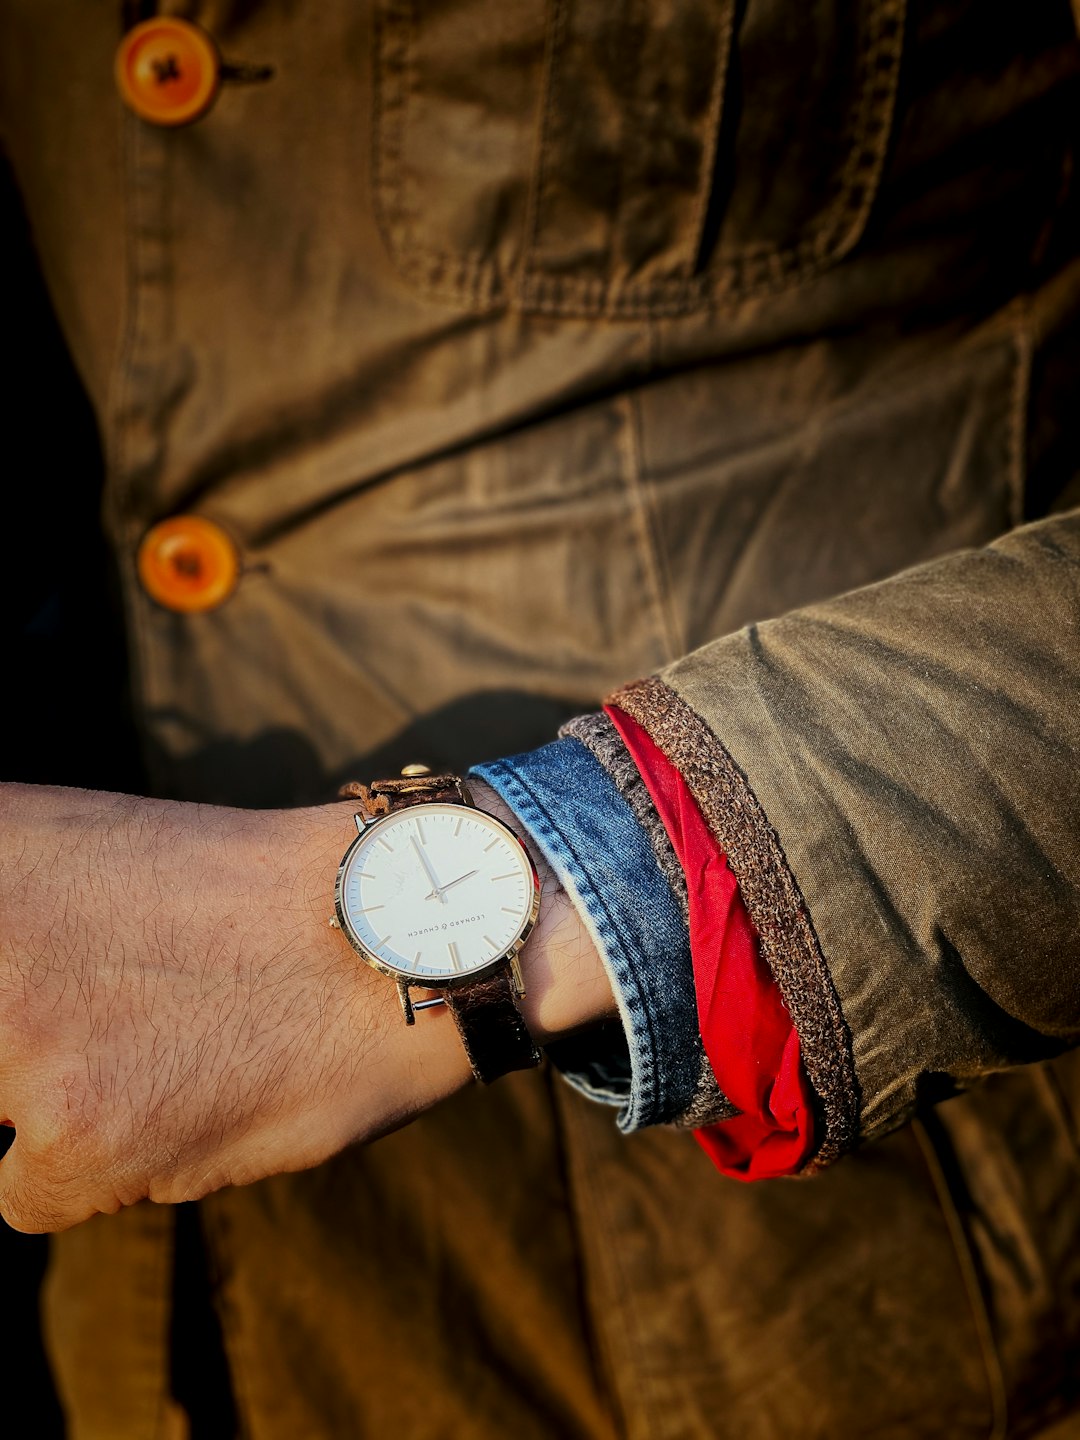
(441, 896)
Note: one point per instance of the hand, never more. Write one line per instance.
(169, 989)
(428, 870)
(440, 890)
(176, 1015)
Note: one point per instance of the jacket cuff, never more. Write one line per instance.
(772, 898)
(654, 1069)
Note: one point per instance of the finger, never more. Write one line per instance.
(30, 1204)
(16, 1211)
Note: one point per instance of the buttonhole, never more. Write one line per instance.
(246, 74)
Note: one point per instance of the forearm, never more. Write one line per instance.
(177, 1014)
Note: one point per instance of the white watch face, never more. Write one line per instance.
(437, 891)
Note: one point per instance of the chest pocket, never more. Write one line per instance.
(628, 157)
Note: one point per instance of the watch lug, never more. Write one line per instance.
(406, 1002)
(516, 977)
(361, 822)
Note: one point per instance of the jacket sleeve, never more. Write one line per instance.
(895, 778)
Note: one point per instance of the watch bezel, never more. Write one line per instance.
(449, 982)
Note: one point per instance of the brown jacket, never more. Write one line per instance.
(524, 349)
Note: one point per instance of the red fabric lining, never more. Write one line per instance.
(749, 1036)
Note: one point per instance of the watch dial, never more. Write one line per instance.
(437, 891)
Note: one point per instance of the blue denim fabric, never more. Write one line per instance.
(574, 812)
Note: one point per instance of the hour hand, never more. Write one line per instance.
(441, 890)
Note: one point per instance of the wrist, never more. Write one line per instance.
(566, 985)
(401, 1070)
(407, 1069)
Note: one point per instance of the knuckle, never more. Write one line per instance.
(24, 1210)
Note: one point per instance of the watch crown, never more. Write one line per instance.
(333, 923)
(414, 771)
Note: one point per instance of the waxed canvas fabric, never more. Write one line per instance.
(523, 350)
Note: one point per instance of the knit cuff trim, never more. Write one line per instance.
(595, 731)
(598, 734)
(772, 898)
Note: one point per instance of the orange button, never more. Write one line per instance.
(188, 563)
(168, 71)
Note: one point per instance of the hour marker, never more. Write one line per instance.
(416, 958)
(508, 910)
(420, 830)
(489, 941)
(510, 875)
(385, 846)
(454, 961)
(360, 875)
(367, 909)
(457, 826)
(489, 846)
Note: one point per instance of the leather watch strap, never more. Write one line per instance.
(492, 1027)
(382, 796)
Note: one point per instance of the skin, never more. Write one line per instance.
(176, 1014)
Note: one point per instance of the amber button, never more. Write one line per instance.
(188, 563)
(168, 71)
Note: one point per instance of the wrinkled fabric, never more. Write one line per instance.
(746, 1029)
(602, 857)
(909, 746)
(523, 351)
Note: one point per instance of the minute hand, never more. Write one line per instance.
(426, 863)
(441, 890)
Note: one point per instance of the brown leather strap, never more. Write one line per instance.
(492, 1027)
(487, 1014)
(382, 796)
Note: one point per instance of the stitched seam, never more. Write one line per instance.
(708, 1103)
(716, 110)
(1057, 1102)
(785, 933)
(467, 279)
(119, 407)
(630, 108)
(146, 180)
(606, 925)
(756, 269)
(877, 101)
(594, 1342)
(644, 1100)
(643, 524)
(602, 740)
(629, 1407)
(163, 1258)
(538, 190)
(676, 630)
(995, 1378)
(216, 1225)
(1018, 410)
(762, 268)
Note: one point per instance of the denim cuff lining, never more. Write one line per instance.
(603, 858)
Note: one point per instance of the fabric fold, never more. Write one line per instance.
(787, 943)
(746, 1028)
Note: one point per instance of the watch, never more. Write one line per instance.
(441, 896)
